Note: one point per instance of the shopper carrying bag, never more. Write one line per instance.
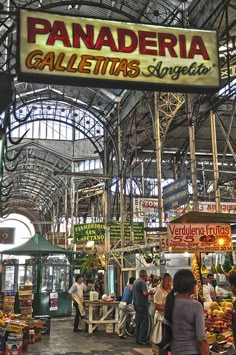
(156, 335)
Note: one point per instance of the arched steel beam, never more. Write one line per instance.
(80, 106)
(99, 5)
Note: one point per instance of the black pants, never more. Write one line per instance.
(77, 316)
(141, 320)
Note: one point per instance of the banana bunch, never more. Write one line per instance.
(233, 268)
(213, 269)
(197, 276)
(219, 269)
(204, 270)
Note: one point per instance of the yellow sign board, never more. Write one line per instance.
(199, 237)
(93, 51)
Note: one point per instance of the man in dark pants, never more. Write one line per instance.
(232, 281)
(76, 294)
(140, 300)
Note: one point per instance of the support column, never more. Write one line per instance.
(72, 205)
(158, 157)
(191, 131)
(122, 210)
(66, 210)
(215, 161)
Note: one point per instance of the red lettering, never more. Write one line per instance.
(33, 30)
(198, 48)
(58, 33)
(87, 38)
(123, 47)
(170, 44)
(105, 38)
(143, 42)
(182, 46)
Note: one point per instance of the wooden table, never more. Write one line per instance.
(107, 313)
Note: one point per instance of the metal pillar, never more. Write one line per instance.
(158, 157)
(191, 131)
(66, 210)
(121, 176)
(215, 161)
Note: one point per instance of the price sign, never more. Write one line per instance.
(202, 237)
(164, 245)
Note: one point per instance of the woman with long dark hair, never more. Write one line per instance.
(186, 316)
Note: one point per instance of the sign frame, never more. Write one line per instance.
(199, 237)
(127, 84)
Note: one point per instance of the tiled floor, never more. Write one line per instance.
(62, 341)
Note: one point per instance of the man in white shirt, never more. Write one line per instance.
(209, 293)
(76, 293)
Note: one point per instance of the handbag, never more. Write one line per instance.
(156, 336)
(166, 336)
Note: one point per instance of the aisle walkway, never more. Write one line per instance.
(63, 341)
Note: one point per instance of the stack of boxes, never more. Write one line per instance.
(25, 301)
(8, 302)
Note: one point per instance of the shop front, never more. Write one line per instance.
(48, 272)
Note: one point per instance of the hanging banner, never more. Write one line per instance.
(96, 232)
(204, 206)
(98, 52)
(202, 237)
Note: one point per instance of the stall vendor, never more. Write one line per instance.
(209, 293)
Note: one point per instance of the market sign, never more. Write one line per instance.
(175, 194)
(96, 232)
(7, 235)
(202, 237)
(97, 52)
(203, 206)
(145, 207)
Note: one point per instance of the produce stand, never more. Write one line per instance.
(50, 276)
(102, 313)
(203, 234)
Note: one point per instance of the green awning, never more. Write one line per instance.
(37, 245)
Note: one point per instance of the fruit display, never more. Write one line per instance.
(219, 269)
(196, 272)
(226, 265)
(218, 322)
(204, 270)
(213, 269)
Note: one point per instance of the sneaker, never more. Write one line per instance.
(76, 330)
(80, 328)
(122, 336)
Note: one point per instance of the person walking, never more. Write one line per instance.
(76, 293)
(160, 300)
(126, 307)
(140, 300)
(186, 316)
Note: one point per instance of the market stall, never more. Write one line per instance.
(201, 240)
(49, 271)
